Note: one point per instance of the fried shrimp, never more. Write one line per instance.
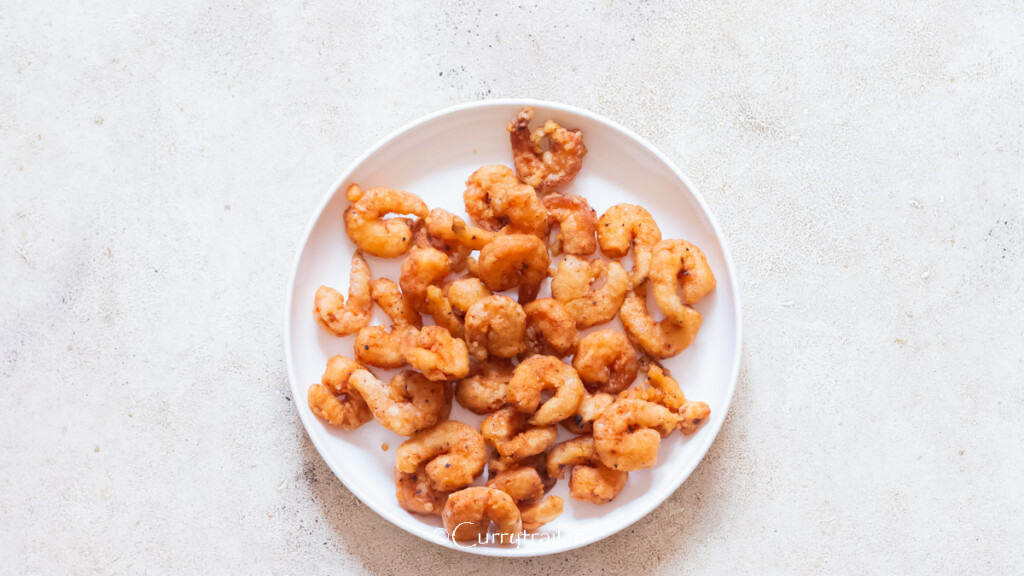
(605, 361)
(484, 390)
(439, 307)
(627, 225)
(661, 339)
(458, 255)
(367, 227)
(577, 224)
(452, 453)
(550, 329)
(415, 494)
(513, 437)
(525, 486)
(590, 409)
(628, 433)
(468, 514)
(448, 227)
(496, 200)
(537, 374)
(405, 405)
(434, 352)
(389, 297)
(335, 400)
(423, 267)
(495, 326)
(381, 347)
(692, 414)
(343, 318)
(679, 267)
(514, 260)
(590, 480)
(547, 169)
(573, 286)
(465, 292)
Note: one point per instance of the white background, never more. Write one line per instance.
(158, 166)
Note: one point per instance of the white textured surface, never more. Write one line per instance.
(157, 167)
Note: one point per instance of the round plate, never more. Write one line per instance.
(432, 158)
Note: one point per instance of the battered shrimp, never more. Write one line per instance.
(628, 433)
(434, 352)
(439, 307)
(540, 513)
(513, 437)
(547, 169)
(448, 227)
(415, 494)
(692, 414)
(537, 374)
(590, 480)
(458, 255)
(382, 347)
(334, 400)
(678, 266)
(605, 361)
(495, 327)
(465, 292)
(367, 227)
(337, 316)
(468, 514)
(484, 391)
(405, 405)
(573, 286)
(550, 329)
(626, 225)
(525, 486)
(590, 409)
(577, 224)
(421, 268)
(452, 453)
(496, 200)
(497, 464)
(662, 339)
(389, 297)
(514, 260)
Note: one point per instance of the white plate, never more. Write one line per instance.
(432, 157)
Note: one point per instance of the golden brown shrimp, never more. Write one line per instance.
(679, 267)
(434, 352)
(547, 169)
(343, 318)
(550, 329)
(628, 433)
(605, 361)
(670, 395)
(537, 374)
(335, 400)
(525, 486)
(662, 339)
(496, 200)
(423, 267)
(453, 454)
(367, 227)
(468, 514)
(590, 409)
(439, 307)
(448, 227)
(458, 255)
(389, 297)
(514, 260)
(577, 224)
(484, 390)
(415, 494)
(465, 292)
(513, 437)
(573, 283)
(405, 405)
(540, 513)
(495, 327)
(627, 225)
(381, 347)
(590, 480)
(496, 463)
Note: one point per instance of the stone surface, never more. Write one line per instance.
(159, 163)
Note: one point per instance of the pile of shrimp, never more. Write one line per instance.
(467, 323)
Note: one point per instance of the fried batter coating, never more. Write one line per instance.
(628, 433)
(337, 316)
(496, 200)
(453, 454)
(590, 480)
(465, 292)
(525, 486)
(495, 326)
(434, 352)
(423, 267)
(605, 361)
(590, 409)
(577, 224)
(573, 286)
(415, 494)
(389, 297)
(666, 391)
(679, 267)
(439, 307)
(549, 169)
(367, 227)
(484, 390)
(458, 255)
(405, 405)
(335, 400)
(550, 329)
(468, 514)
(514, 260)
(513, 437)
(627, 225)
(448, 227)
(662, 339)
(537, 374)
(381, 347)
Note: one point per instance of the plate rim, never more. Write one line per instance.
(572, 544)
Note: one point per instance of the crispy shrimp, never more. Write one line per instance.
(577, 224)
(590, 409)
(420, 269)
(627, 225)
(605, 361)
(468, 514)
(484, 390)
(389, 297)
(525, 486)
(440, 308)
(670, 395)
(628, 433)
(540, 513)
(550, 329)
(537, 374)
(458, 255)
(452, 453)
(590, 480)
(343, 318)
(434, 352)
(513, 437)
(662, 339)
(465, 292)
(572, 285)
(514, 260)
(367, 227)
(495, 327)
(679, 267)
(381, 347)
(547, 169)
(335, 400)
(415, 494)
(448, 227)
(496, 200)
(405, 405)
